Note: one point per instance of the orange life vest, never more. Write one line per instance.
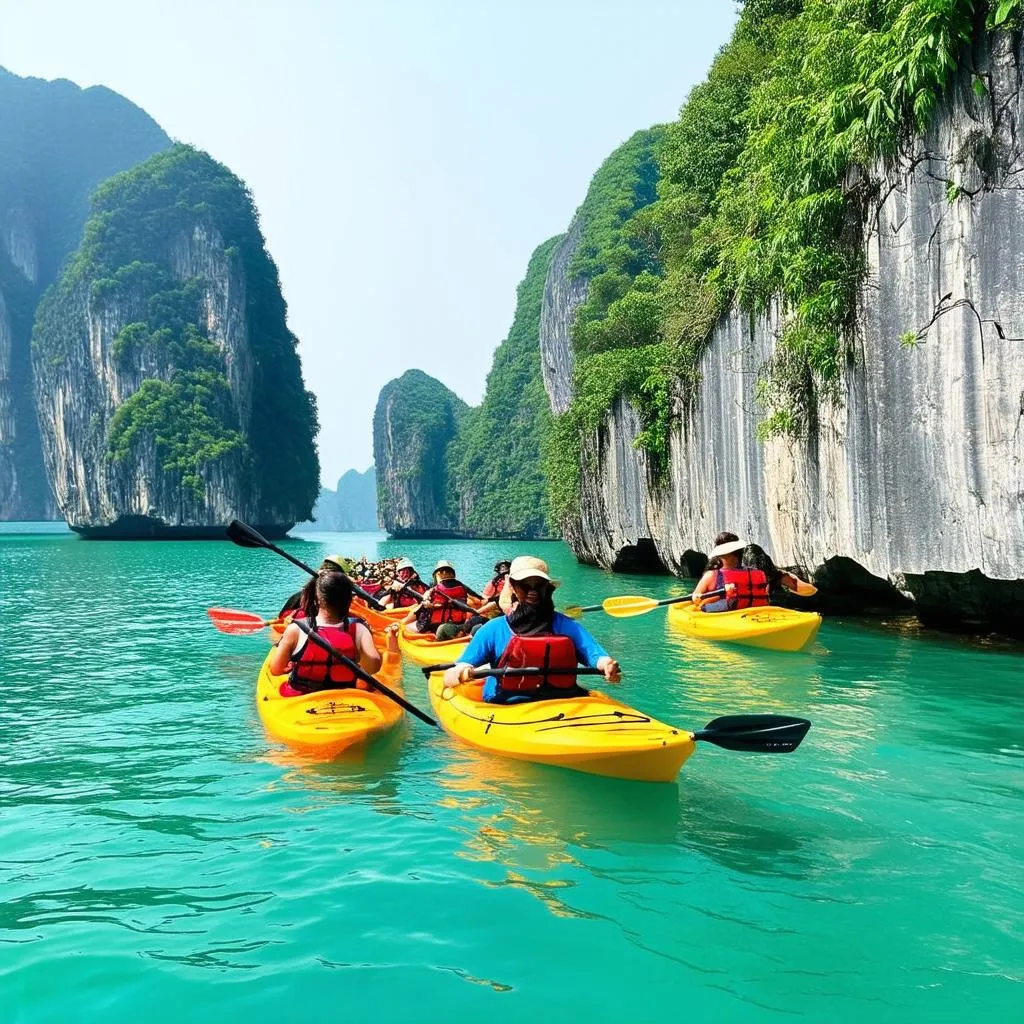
(548, 652)
(445, 610)
(317, 669)
(751, 587)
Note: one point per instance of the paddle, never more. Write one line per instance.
(760, 734)
(626, 606)
(365, 676)
(483, 673)
(228, 620)
(246, 537)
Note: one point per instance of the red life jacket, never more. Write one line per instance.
(445, 610)
(317, 669)
(751, 587)
(547, 652)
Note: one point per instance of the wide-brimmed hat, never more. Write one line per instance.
(526, 567)
(443, 564)
(502, 562)
(339, 563)
(728, 548)
(404, 563)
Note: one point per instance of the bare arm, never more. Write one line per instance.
(282, 653)
(369, 657)
(707, 582)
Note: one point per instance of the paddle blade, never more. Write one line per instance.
(762, 734)
(625, 607)
(228, 620)
(245, 536)
(574, 611)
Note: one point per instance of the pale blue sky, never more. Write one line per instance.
(406, 158)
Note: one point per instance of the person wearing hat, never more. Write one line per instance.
(532, 635)
(746, 585)
(405, 576)
(435, 613)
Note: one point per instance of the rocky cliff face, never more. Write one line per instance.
(161, 359)
(58, 142)
(415, 421)
(917, 477)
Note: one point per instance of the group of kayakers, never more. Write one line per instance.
(514, 625)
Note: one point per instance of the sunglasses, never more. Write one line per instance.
(534, 583)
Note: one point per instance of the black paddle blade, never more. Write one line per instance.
(762, 734)
(427, 670)
(245, 536)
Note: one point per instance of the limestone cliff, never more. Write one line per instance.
(915, 476)
(168, 388)
(415, 421)
(57, 143)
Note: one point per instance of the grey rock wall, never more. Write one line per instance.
(917, 475)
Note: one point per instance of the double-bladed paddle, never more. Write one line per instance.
(354, 667)
(246, 537)
(625, 607)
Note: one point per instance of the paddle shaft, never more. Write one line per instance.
(483, 673)
(450, 600)
(658, 604)
(237, 525)
(315, 638)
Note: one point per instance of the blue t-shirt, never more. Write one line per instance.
(491, 639)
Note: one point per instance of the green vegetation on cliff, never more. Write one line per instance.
(496, 471)
(444, 466)
(761, 199)
(133, 264)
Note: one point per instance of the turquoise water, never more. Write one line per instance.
(160, 859)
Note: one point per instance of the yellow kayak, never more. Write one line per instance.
(423, 649)
(592, 734)
(771, 627)
(324, 724)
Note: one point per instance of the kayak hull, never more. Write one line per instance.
(323, 725)
(421, 650)
(772, 628)
(593, 734)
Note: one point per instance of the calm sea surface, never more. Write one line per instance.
(161, 860)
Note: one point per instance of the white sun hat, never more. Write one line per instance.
(728, 548)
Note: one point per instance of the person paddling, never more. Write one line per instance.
(746, 586)
(325, 604)
(532, 635)
(406, 579)
(435, 613)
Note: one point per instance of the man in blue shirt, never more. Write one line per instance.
(532, 617)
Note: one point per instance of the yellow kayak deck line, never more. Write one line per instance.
(593, 734)
(770, 627)
(324, 724)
